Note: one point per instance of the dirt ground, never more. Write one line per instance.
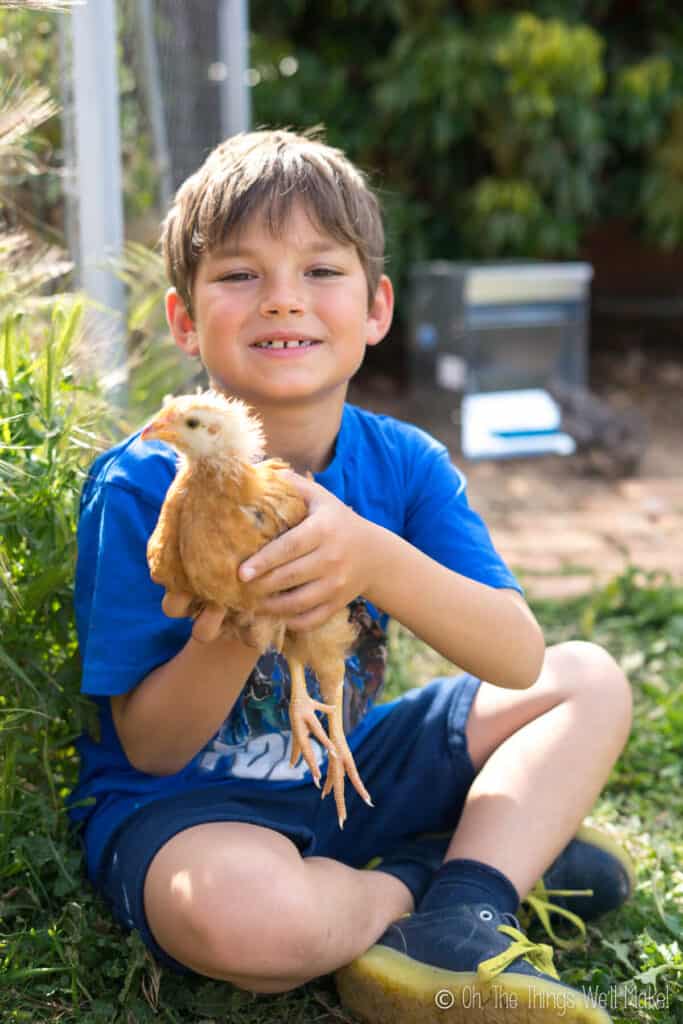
(562, 525)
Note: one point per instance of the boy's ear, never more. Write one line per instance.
(381, 312)
(181, 323)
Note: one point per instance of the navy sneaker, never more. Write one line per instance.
(591, 876)
(468, 965)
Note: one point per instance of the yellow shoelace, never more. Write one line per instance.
(537, 954)
(538, 901)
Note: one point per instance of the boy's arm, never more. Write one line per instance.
(175, 710)
(169, 692)
(487, 631)
(320, 565)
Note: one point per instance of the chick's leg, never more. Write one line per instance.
(343, 764)
(302, 718)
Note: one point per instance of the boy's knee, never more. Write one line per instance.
(261, 937)
(594, 673)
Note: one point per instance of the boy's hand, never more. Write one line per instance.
(317, 567)
(207, 626)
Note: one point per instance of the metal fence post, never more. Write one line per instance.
(233, 29)
(98, 162)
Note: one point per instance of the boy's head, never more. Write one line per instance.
(264, 173)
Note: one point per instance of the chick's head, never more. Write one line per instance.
(208, 426)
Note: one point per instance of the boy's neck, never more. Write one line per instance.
(303, 436)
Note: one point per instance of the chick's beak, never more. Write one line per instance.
(160, 429)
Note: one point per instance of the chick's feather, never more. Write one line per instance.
(221, 508)
(224, 520)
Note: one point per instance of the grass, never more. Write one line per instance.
(62, 960)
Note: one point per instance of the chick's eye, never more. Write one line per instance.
(192, 422)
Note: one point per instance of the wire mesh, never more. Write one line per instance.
(190, 74)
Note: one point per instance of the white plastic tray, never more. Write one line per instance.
(511, 424)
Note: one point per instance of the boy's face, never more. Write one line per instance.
(259, 291)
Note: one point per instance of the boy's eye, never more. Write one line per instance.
(325, 272)
(237, 275)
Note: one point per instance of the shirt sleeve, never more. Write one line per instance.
(440, 522)
(123, 633)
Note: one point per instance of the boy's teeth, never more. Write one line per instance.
(282, 344)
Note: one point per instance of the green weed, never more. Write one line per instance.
(62, 959)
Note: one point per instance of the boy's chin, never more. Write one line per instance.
(325, 397)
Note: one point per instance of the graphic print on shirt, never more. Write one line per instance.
(255, 741)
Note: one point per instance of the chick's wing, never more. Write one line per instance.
(224, 522)
(163, 547)
(276, 496)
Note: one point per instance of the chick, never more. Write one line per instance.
(223, 505)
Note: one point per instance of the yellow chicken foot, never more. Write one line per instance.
(303, 721)
(343, 764)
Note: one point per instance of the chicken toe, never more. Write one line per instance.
(303, 721)
(344, 764)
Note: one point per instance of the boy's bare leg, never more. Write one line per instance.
(237, 902)
(543, 756)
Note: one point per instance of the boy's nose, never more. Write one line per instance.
(282, 303)
(285, 309)
(273, 308)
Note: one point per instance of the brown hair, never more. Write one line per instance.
(265, 172)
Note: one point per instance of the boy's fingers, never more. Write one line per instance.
(317, 616)
(306, 485)
(176, 604)
(284, 579)
(208, 624)
(286, 604)
(295, 543)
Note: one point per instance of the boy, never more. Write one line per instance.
(202, 836)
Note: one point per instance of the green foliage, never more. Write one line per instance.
(546, 130)
(28, 43)
(49, 426)
(492, 130)
(30, 50)
(506, 215)
(47, 420)
(546, 62)
(507, 130)
(641, 101)
(63, 960)
(660, 201)
(42, 440)
(504, 111)
(156, 367)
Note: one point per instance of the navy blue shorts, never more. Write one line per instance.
(414, 763)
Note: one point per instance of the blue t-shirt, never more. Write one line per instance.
(391, 473)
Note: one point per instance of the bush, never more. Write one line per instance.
(494, 130)
(49, 424)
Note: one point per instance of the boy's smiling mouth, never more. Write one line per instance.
(284, 341)
(277, 344)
